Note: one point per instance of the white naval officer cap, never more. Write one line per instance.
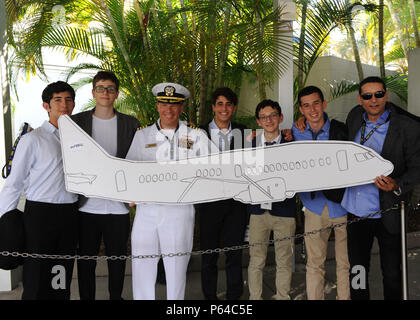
(169, 92)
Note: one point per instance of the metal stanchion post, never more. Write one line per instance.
(404, 252)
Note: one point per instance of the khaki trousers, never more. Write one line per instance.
(260, 227)
(316, 247)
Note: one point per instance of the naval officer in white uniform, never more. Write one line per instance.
(159, 228)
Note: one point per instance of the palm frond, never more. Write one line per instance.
(339, 89)
(398, 84)
(395, 54)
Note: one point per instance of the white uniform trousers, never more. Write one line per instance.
(161, 229)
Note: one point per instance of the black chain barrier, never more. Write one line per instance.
(199, 252)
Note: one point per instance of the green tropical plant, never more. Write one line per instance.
(322, 17)
(198, 43)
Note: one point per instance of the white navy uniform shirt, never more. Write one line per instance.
(37, 168)
(104, 132)
(155, 144)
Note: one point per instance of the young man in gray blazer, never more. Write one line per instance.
(99, 218)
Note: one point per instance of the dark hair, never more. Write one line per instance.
(56, 87)
(371, 80)
(227, 93)
(106, 75)
(267, 103)
(310, 90)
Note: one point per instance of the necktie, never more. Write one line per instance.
(314, 137)
(270, 143)
(223, 141)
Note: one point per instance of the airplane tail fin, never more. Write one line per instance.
(78, 146)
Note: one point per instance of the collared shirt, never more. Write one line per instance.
(104, 132)
(317, 204)
(285, 208)
(264, 142)
(221, 138)
(37, 169)
(364, 199)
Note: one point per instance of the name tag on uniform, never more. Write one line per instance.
(266, 206)
(185, 143)
(151, 145)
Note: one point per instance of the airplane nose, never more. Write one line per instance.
(388, 167)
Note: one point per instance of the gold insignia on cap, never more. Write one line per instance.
(169, 91)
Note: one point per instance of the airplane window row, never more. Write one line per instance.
(209, 173)
(288, 166)
(158, 177)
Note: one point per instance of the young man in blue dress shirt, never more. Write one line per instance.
(322, 208)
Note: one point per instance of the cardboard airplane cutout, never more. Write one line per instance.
(254, 175)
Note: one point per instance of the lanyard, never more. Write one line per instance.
(363, 139)
(171, 141)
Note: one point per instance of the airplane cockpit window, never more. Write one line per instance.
(360, 157)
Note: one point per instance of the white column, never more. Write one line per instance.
(414, 81)
(284, 86)
(283, 89)
(8, 279)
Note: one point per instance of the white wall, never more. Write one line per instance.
(330, 70)
(325, 72)
(414, 81)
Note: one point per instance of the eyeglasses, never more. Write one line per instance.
(101, 89)
(368, 96)
(271, 116)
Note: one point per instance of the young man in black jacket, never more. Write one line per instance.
(225, 218)
(100, 218)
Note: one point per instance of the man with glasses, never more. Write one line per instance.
(100, 218)
(162, 228)
(225, 219)
(322, 208)
(278, 217)
(390, 131)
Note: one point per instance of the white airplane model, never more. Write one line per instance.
(255, 175)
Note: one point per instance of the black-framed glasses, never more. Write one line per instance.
(271, 116)
(100, 89)
(368, 96)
